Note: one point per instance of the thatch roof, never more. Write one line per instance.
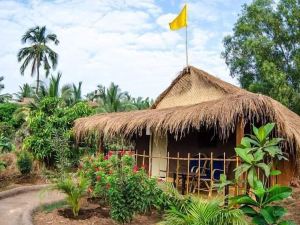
(193, 86)
(221, 114)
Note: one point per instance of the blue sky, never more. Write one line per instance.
(124, 41)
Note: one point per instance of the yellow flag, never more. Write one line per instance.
(180, 21)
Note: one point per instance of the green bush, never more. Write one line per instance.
(24, 162)
(5, 144)
(7, 130)
(118, 182)
(52, 117)
(6, 111)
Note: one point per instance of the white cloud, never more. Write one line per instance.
(124, 41)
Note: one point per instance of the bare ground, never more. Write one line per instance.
(91, 215)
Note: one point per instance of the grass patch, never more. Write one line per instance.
(49, 208)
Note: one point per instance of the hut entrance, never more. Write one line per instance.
(159, 148)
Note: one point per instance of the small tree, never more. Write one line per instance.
(259, 151)
(74, 188)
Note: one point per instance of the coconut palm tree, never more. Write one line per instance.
(53, 90)
(38, 53)
(77, 92)
(113, 99)
(141, 103)
(71, 93)
(26, 91)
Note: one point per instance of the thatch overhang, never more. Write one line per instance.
(224, 104)
(221, 115)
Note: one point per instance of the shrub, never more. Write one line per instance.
(24, 162)
(5, 144)
(51, 117)
(118, 182)
(7, 110)
(74, 188)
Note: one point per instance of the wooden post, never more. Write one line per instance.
(177, 170)
(199, 172)
(239, 135)
(211, 174)
(188, 173)
(224, 168)
(159, 158)
(150, 156)
(168, 166)
(144, 153)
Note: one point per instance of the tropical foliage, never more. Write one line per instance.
(260, 151)
(117, 181)
(75, 188)
(24, 162)
(38, 53)
(263, 51)
(51, 117)
(204, 212)
(26, 91)
(113, 99)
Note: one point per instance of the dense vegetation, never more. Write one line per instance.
(263, 52)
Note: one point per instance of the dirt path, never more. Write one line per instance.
(17, 209)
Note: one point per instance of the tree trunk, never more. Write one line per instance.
(37, 76)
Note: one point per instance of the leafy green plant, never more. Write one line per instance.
(119, 183)
(204, 212)
(75, 188)
(49, 118)
(5, 144)
(2, 165)
(24, 162)
(260, 208)
(259, 151)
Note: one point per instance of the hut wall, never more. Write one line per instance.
(141, 145)
(159, 146)
(199, 142)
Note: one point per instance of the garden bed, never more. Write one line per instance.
(90, 214)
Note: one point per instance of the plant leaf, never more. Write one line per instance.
(268, 128)
(266, 168)
(277, 193)
(243, 199)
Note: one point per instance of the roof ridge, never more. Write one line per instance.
(215, 81)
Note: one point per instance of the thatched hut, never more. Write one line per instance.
(199, 113)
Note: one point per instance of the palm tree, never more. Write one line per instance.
(77, 92)
(71, 93)
(38, 53)
(142, 103)
(113, 99)
(3, 97)
(26, 91)
(53, 90)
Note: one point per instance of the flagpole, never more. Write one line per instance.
(186, 46)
